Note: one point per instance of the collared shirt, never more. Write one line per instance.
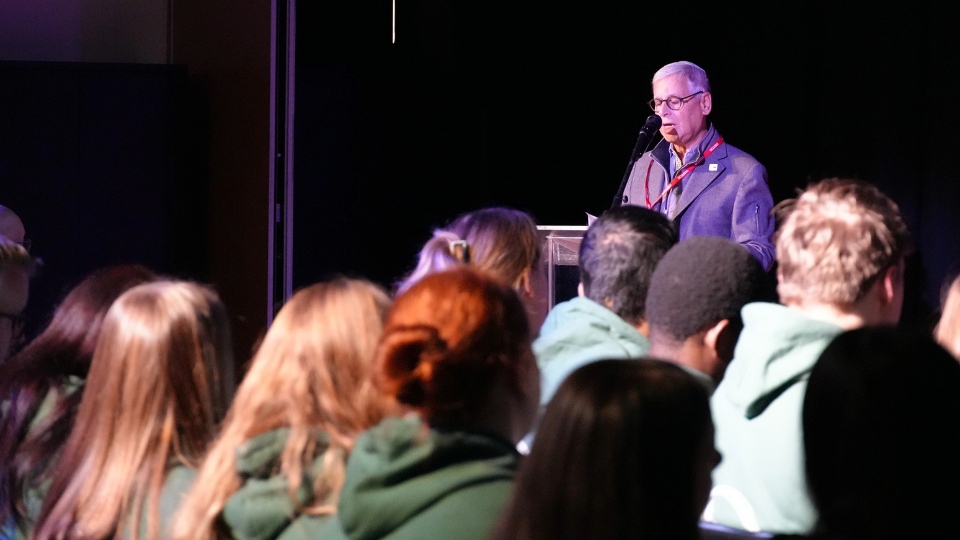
(673, 196)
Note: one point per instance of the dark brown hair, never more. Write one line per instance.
(39, 372)
(615, 456)
(881, 442)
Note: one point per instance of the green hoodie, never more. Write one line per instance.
(577, 332)
(34, 491)
(406, 481)
(261, 509)
(757, 411)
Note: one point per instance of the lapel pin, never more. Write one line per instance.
(713, 167)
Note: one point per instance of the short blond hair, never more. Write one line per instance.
(839, 236)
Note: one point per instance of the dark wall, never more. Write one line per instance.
(226, 47)
(100, 162)
(538, 106)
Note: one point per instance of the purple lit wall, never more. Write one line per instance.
(85, 31)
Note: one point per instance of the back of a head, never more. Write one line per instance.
(177, 335)
(693, 73)
(880, 435)
(326, 334)
(313, 371)
(448, 339)
(157, 387)
(839, 236)
(499, 240)
(619, 253)
(64, 348)
(699, 282)
(616, 456)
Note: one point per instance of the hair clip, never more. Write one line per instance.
(460, 250)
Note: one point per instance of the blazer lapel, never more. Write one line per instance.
(699, 179)
(659, 174)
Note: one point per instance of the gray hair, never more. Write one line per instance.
(693, 73)
(618, 254)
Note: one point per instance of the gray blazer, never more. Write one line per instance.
(727, 195)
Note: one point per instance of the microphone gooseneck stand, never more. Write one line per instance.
(650, 126)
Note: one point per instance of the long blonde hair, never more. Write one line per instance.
(155, 392)
(314, 370)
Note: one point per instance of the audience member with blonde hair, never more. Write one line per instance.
(158, 385)
(499, 240)
(42, 385)
(277, 466)
(456, 351)
(841, 256)
(947, 331)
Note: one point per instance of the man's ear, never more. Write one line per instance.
(523, 285)
(706, 103)
(891, 282)
(712, 337)
(721, 340)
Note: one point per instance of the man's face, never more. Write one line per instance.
(683, 127)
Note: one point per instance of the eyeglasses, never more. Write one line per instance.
(674, 102)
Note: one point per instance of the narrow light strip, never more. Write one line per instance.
(393, 21)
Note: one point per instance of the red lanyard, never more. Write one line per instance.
(679, 176)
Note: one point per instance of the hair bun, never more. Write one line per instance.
(410, 360)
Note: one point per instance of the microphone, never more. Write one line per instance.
(650, 126)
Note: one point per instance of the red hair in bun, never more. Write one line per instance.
(446, 341)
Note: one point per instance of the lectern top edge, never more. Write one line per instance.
(561, 227)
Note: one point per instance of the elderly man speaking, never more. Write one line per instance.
(707, 186)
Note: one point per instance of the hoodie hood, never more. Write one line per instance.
(776, 349)
(401, 469)
(580, 331)
(261, 509)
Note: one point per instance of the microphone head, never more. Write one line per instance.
(653, 123)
